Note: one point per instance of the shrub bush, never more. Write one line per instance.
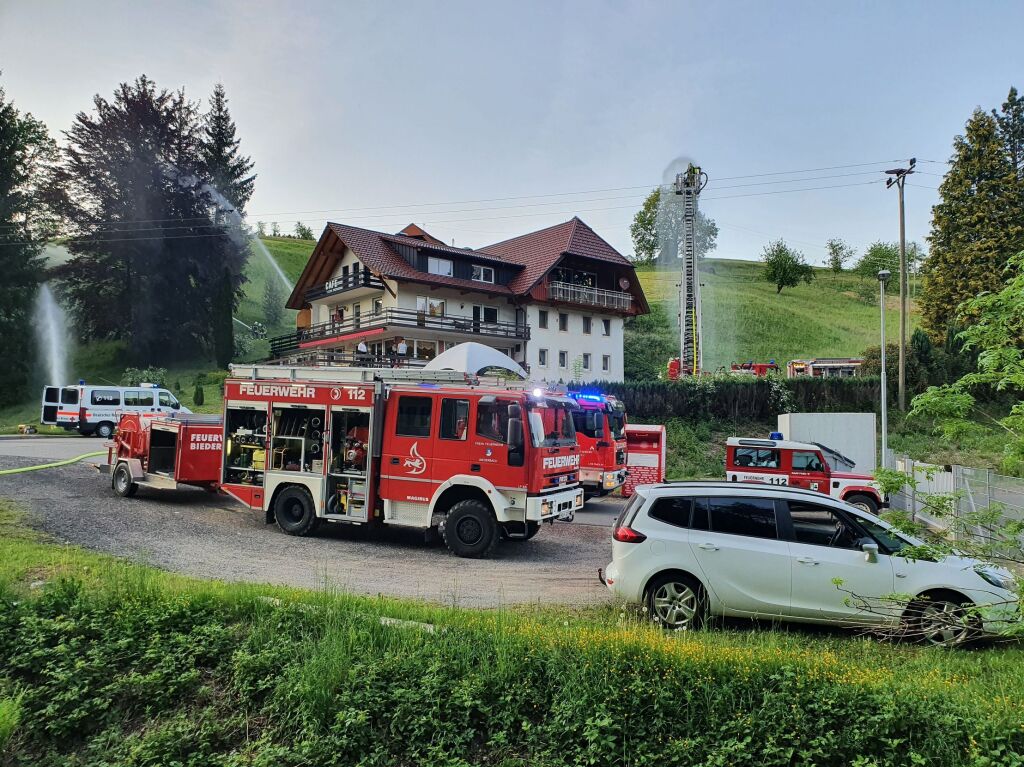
(138, 675)
(198, 397)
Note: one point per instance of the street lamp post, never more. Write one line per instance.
(883, 280)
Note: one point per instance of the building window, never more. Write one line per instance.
(487, 314)
(483, 274)
(542, 319)
(355, 315)
(433, 307)
(441, 266)
(344, 272)
(355, 272)
(607, 327)
(586, 361)
(606, 362)
(586, 326)
(378, 305)
(542, 357)
(563, 359)
(563, 321)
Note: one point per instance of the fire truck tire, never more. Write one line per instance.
(122, 481)
(104, 430)
(295, 513)
(470, 529)
(863, 502)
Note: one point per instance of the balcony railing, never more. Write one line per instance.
(361, 279)
(616, 300)
(394, 318)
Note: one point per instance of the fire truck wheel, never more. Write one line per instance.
(516, 528)
(470, 529)
(864, 503)
(105, 430)
(295, 513)
(122, 481)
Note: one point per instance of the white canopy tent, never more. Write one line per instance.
(475, 359)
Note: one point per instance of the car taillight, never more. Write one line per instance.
(628, 535)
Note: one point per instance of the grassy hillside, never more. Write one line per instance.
(744, 318)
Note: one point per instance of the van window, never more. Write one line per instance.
(108, 397)
(69, 396)
(757, 458)
(454, 418)
(806, 461)
(136, 398)
(414, 416)
(754, 517)
(166, 400)
(681, 512)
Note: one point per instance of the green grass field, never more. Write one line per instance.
(744, 318)
(109, 662)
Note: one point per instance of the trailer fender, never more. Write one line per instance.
(135, 467)
(462, 486)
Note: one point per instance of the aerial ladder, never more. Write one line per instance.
(691, 347)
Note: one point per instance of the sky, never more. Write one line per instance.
(484, 120)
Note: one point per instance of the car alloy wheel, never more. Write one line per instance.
(675, 605)
(943, 624)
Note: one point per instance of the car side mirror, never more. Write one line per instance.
(870, 552)
(176, 406)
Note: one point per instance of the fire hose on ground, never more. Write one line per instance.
(54, 464)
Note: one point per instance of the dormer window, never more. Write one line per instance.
(440, 266)
(483, 274)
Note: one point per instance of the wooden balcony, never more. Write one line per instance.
(361, 279)
(613, 300)
(328, 334)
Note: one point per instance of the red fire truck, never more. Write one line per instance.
(759, 369)
(801, 464)
(415, 448)
(601, 435)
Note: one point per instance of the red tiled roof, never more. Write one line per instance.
(541, 250)
(535, 253)
(372, 249)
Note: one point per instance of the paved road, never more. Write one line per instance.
(194, 532)
(51, 448)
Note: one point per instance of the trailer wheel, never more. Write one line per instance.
(295, 513)
(470, 529)
(863, 502)
(122, 481)
(104, 430)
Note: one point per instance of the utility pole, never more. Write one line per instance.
(883, 280)
(898, 176)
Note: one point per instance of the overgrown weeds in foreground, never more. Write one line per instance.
(126, 665)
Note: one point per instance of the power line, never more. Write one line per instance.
(256, 216)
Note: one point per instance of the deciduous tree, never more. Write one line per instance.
(657, 228)
(838, 254)
(785, 267)
(302, 231)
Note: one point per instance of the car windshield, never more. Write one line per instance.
(617, 424)
(551, 425)
(888, 538)
(590, 423)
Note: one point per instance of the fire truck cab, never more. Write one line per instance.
(433, 450)
(601, 434)
(801, 464)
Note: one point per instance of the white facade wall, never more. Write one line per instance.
(605, 351)
(575, 343)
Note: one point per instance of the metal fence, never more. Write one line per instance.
(973, 490)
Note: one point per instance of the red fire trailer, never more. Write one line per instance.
(165, 452)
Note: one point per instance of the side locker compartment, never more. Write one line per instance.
(245, 452)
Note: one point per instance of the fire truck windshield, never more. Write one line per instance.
(551, 425)
(617, 424)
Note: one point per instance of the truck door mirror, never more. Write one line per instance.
(516, 451)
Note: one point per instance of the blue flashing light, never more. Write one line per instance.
(775, 435)
(429, 386)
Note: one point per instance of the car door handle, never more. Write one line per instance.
(707, 546)
(474, 467)
(807, 561)
(901, 575)
(394, 461)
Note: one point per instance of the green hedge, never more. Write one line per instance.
(148, 677)
(734, 398)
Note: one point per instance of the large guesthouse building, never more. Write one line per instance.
(554, 300)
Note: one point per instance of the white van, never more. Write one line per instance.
(95, 410)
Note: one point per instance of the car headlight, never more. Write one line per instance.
(997, 579)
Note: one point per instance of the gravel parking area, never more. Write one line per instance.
(198, 533)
